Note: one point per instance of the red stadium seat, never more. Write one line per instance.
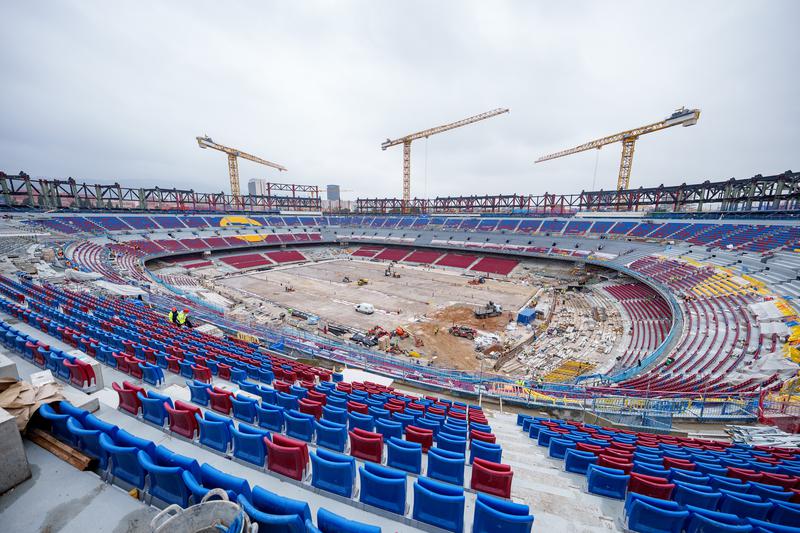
(128, 401)
(612, 462)
(358, 407)
(286, 456)
(670, 462)
(366, 445)
(201, 373)
(420, 435)
(220, 400)
(311, 407)
(491, 478)
(745, 474)
(223, 371)
(483, 436)
(182, 421)
(655, 487)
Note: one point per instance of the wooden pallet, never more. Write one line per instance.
(63, 451)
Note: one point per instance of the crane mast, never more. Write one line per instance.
(683, 117)
(406, 142)
(233, 164)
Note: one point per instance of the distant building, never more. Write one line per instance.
(257, 187)
(334, 194)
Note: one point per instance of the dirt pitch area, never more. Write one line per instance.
(421, 300)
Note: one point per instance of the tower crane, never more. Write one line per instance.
(406, 142)
(233, 164)
(684, 117)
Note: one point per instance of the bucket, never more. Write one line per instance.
(208, 516)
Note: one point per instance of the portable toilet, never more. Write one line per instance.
(526, 316)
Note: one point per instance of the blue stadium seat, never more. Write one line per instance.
(333, 472)
(278, 523)
(211, 478)
(287, 401)
(451, 443)
(248, 444)
(404, 455)
(446, 466)
(493, 515)
(383, 487)
(165, 482)
(388, 428)
(270, 417)
(607, 481)
(439, 504)
(153, 407)
(244, 408)
(88, 441)
(215, 434)
(699, 495)
(785, 513)
(329, 522)
(485, 450)
(334, 414)
(124, 462)
(299, 425)
(58, 422)
(743, 506)
(578, 461)
(646, 517)
(708, 521)
(331, 435)
(199, 392)
(358, 420)
(558, 447)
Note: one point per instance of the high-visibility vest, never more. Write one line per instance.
(171, 317)
(181, 318)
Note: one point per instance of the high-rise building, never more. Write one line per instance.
(257, 187)
(334, 193)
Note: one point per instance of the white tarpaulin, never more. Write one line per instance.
(766, 310)
(354, 374)
(120, 290)
(77, 275)
(766, 365)
(779, 328)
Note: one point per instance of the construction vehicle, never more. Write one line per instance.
(378, 332)
(233, 164)
(477, 281)
(683, 117)
(346, 280)
(424, 134)
(390, 272)
(488, 311)
(400, 332)
(362, 281)
(463, 331)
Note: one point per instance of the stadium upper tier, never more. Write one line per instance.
(711, 309)
(757, 236)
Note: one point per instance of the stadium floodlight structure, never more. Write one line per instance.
(683, 117)
(406, 142)
(233, 164)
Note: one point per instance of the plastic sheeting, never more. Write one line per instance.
(77, 275)
(120, 290)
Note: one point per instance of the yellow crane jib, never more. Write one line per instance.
(233, 164)
(681, 117)
(406, 142)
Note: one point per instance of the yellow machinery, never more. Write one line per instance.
(233, 164)
(362, 281)
(683, 117)
(406, 142)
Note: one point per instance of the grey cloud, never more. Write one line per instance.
(107, 91)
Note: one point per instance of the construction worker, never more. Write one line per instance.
(183, 319)
(173, 315)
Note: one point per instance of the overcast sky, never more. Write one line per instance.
(110, 91)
